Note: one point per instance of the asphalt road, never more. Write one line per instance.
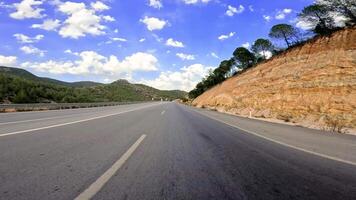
(169, 151)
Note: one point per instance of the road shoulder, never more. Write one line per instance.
(339, 147)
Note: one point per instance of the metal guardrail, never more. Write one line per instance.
(57, 106)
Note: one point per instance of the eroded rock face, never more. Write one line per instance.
(305, 84)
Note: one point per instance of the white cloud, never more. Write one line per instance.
(108, 80)
(280, 16)
(231, 11)
(155, 4)
(250, 7)
(287, 10)
(48, 25)
(68, 51)
(184, 79)
(153, 23)
(54, 67)
(99, 6)
(195, 1)
(32, 50)
(283, 13)
(108, 18)
(92, 63)
(28, 9)
(21, 38)
(174, 43)
(119, 39)
(224, 37)
(214, 55)
(305, 25)
(267, 18)
(338, 19)
(7, 60)
(266, 54)
(55, 2)
(185, 56)
(142, 40)
(246, 45)
(4, 5)
(157, 38)
(81, 20)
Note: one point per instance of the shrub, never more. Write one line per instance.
(335, 123)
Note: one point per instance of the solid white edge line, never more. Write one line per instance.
(103, 179)
(281, 143)
(74, 122)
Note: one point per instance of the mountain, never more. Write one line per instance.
(29, 76)
(21, 86)
(312, 85)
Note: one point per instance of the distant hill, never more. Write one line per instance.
(28, 75)
(21, 86)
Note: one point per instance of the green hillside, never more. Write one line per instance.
(21, 86)
(29, 76)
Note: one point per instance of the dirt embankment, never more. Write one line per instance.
(312, 85)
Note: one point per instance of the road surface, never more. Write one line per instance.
(165, 150)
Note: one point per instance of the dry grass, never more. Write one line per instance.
(335, 123)
(285, 117)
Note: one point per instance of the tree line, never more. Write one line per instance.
(321, 15)
(18, 89)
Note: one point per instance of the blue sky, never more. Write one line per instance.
(168, 44)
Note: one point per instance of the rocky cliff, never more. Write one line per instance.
(313, 84)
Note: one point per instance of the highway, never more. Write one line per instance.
(164, 150)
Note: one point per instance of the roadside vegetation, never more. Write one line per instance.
(20, 86)
(320, 14)
(335, 124)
